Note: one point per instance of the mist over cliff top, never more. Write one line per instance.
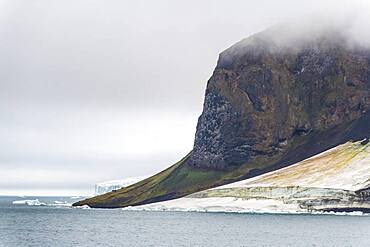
(307, 32)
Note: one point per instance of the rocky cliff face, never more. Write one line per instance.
(274, 99)
(266, 92)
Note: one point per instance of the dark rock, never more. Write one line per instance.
(264, 91)
(365, 141)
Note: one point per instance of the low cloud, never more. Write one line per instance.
(93, 84)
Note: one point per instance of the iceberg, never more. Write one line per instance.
(34, 202)
(335, 181)
(108, 186)
(76, 197)
(37, 202)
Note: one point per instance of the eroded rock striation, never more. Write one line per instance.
(266, 92)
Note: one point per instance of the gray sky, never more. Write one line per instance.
(100, 90)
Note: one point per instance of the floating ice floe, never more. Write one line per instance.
(34, 202)
(37, 202)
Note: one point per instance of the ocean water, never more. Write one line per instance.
(52, 223)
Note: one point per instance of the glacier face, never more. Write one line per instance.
(335, 180)
(108, 186)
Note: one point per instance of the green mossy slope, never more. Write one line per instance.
(182, 179)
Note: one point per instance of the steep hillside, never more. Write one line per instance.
(274, 99)
(335, 180)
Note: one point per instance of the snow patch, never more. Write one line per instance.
(83, 207)
(233, 205)
(330, 180)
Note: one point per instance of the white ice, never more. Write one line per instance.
(108, 186)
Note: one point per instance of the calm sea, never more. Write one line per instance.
(57, 225)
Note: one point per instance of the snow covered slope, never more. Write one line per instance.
(345, 167)
(335, 180)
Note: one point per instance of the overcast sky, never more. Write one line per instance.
(100, 90)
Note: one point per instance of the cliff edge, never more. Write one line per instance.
(274, 99)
